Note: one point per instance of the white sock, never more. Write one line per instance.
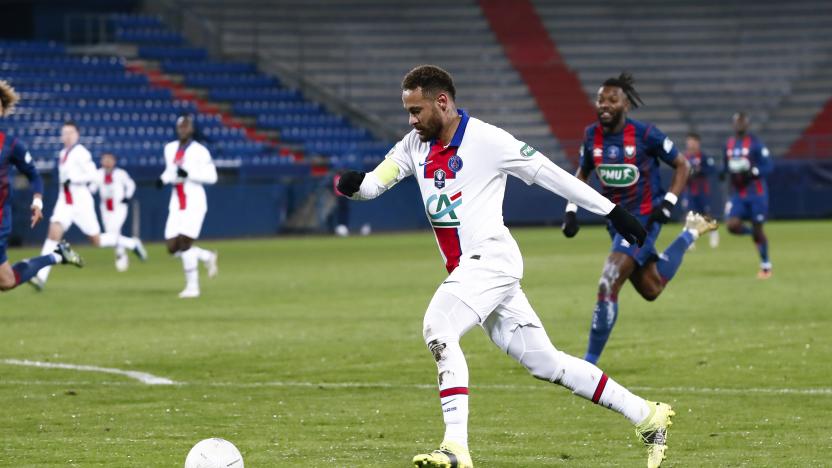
(532, 348)
(453, 392)
(714, 238)
(203, 254)
(49, 246)
(120, 251)
(189, 264)
(108, 239)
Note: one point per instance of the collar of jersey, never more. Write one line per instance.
(460, 130)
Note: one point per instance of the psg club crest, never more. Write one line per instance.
(439, 178)
(455, 163)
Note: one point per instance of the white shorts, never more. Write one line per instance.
(494, 296)
(185, 223)
(113, 221)
(79, 214)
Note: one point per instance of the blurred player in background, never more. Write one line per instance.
(75, 205)
(625, 155)
(115, 188)
(13, 153)
(747, 163)
(461, 164)
(697, 195)
(188, 166)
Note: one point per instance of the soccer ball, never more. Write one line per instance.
(214, 453)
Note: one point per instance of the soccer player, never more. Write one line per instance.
(461, 164)
(12, 152)
(625, 155)
(75, 205)
(697, 195)
(747, 163)
(115, 188)
(188, 166)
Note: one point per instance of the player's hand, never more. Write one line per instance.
(661, 213)
(182, 173)
(126, 200)
(37, 211)
(570, 221)
(160, 183)
(347, 183)
(754, 173)
(627, 225)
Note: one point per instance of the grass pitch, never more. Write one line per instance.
(308, 352)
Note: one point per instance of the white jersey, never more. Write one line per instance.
(114, 187)
(75, 165)
(188, 193)
(463, 185)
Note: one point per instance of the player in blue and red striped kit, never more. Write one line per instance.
(13, 153)
(697, 195)
(747, 163)
(625, 156)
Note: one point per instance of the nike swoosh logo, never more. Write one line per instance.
(451, 401)
(446, 282)
(425, 163)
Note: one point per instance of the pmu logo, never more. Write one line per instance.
(618, 175)
(441, 209)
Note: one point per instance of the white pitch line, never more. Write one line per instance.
(142, 377)
(816, 391)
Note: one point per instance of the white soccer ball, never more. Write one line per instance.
(214, 453)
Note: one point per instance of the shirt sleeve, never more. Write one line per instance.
(397, 165)
(168, 176)
(84, 170)
(585, 159)
(204, 172)
(661, 146)
(762, 159)
(129, 184)
(518, 158)
(24, 163)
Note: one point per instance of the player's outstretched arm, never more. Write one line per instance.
(22, 160)
(368, 185)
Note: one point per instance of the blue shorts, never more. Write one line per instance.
(642, 255)
(700, 203)
(752, 208)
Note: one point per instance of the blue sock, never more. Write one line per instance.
(24, 270)
(671, 259)
(762, 247)
(603, 319)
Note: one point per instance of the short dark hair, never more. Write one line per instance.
(626, 82)
(695, 136)
(71, 123)
(432, 79)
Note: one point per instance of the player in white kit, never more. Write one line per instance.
(188, 166)
(115, 189)
(75, 205)
(461, 164)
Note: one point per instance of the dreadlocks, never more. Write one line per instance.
(8, 98)
(625, 81)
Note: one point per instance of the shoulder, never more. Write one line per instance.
(485, 134)
(81, 149)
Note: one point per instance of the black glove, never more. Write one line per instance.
(349, 182)
(570, 224)
(627, 225)
(67, 183)
(159, 183)
(126, 200)
(182, 173)
(661, 213)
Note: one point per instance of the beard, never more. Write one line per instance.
(430, 130)
(614, 120)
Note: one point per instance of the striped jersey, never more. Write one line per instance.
(627, 163)
(742, 154)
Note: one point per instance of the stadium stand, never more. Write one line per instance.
(362, 48)
(128, 105)
(698, 63)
